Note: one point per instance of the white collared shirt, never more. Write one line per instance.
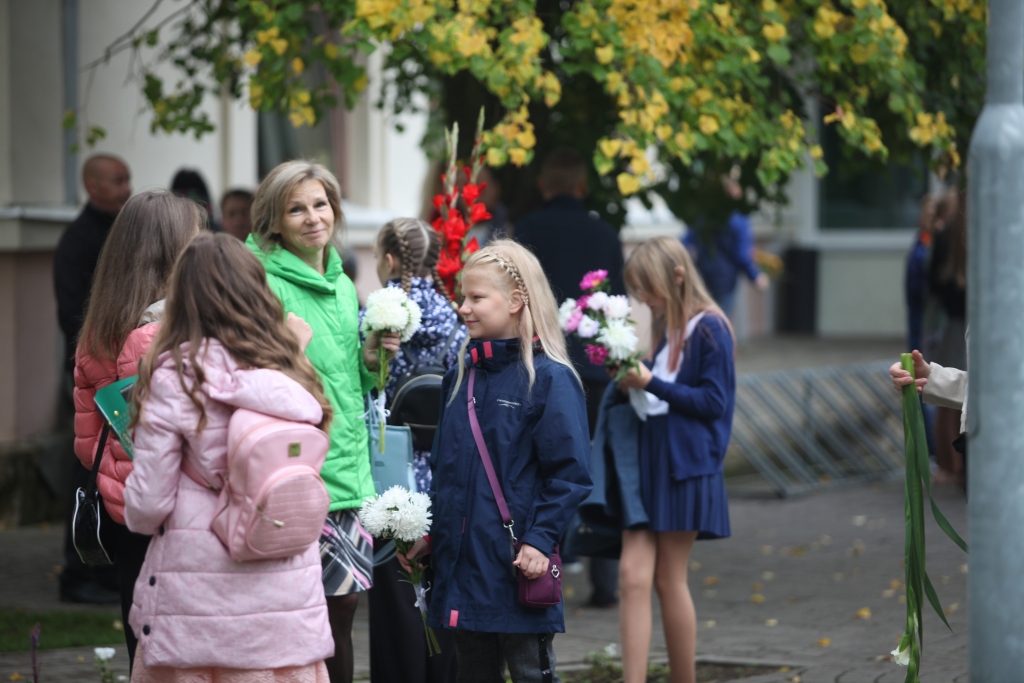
(655, 406)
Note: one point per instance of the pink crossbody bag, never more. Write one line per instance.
(546, 590)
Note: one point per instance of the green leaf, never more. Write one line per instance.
(366, 47)
(69, 119)
(779, 54)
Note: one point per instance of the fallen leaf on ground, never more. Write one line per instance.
(794, 679)
(694, 566)
(17, 676)
(859, 520)
(888, 593)
(824, 642)
(710, 623)
(767, 550)
(825, 539)
(863, 613)
(757, 598)
(757, 587)
(837, 577)
(903, 599)
(568, 591)
(963, 569)
(81, 659)
(771, 622)
(894, 584)
(118, 626)
(795, 551)
(767, 576)
(709, 592)
(952, 608)
(944, 580)
(711, 581)
(791, 600)
(856, 571)
(783, 669)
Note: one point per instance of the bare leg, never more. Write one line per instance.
(341, 610)
(636, 576)
(677, 612)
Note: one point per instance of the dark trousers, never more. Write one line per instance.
(530, 657)
(604, 573)
(396, 626)
(129, 550)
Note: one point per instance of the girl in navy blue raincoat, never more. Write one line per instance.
(690, 394)
(533, 417)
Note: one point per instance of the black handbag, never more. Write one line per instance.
(91, 522)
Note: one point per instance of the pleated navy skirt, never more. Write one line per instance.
(695, 504)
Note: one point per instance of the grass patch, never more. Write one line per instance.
(62, 628)
(608, 672)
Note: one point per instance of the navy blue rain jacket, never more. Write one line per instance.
(540, 446)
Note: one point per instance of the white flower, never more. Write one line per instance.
(565, 310)
(611, 649)
(386, 311)
(617, 307)
(415, 318)
(104, 653)
(901, 657)
(411, 521)
(374, 517)
(597, 301)
(588, 327)
(620, 339)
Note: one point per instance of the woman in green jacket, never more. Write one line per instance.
(296, 213)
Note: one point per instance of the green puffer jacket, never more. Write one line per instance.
(328, 303)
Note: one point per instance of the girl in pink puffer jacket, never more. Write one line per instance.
(125, 306)
(202, 617)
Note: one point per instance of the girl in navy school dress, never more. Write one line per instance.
(691, 392)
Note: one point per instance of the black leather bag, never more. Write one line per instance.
(417, 400)
(91, 524)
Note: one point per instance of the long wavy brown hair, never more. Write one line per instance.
(147, 236)
(219, 290)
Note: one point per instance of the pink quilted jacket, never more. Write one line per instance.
(194, 606)
(92, 374)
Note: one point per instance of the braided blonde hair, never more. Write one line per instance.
(515, 269)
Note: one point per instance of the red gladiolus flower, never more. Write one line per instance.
(471, 193)
(471, 247)
(438, 201)
(479, 212)
(456, 227)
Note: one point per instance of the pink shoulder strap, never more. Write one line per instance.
(485, 457)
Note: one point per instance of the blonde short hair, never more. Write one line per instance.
(276, 189)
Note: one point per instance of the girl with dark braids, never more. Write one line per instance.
(407, 250)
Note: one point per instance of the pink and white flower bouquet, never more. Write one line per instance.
(602, 323)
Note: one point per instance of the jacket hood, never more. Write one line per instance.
(265, 391)
(284, 264)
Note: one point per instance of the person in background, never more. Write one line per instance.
(235, 213)
(947, 281)
(722, 256)
(189, 183)
(107, 182)
(915, 280)
(407, 250)
(569, 242)
(125, 310)
(296, 213)
(498, 226)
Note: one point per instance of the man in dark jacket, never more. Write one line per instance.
(108, 184)
(569, 242)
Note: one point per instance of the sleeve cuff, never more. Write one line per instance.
(658, 387)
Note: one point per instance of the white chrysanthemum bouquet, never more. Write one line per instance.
(404, 517)
(389, 310)
(602, 322)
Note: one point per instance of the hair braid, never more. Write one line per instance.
(516, 276)
(406, 258)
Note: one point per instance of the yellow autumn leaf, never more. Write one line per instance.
(863, 613)
(824, 642)
(17, 676)
(769, 6)
(708, 124)
(754, 55)
(774, 31)
(495, 157)
(614, 81)
(279, 45)
(296, 119)
(757, 598)
(526, 139)
(639, 164)
(360, 83)
(663, 132)
(711, 581)
(610, 148)
(685, 140)
(253, 57)
(816, 152)
(628, 184)
(518, 156)
(605, 54)
(298, 66)
(331, 51)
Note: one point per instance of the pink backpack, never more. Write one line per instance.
(273, 503)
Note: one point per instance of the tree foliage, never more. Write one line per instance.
(677, 92)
